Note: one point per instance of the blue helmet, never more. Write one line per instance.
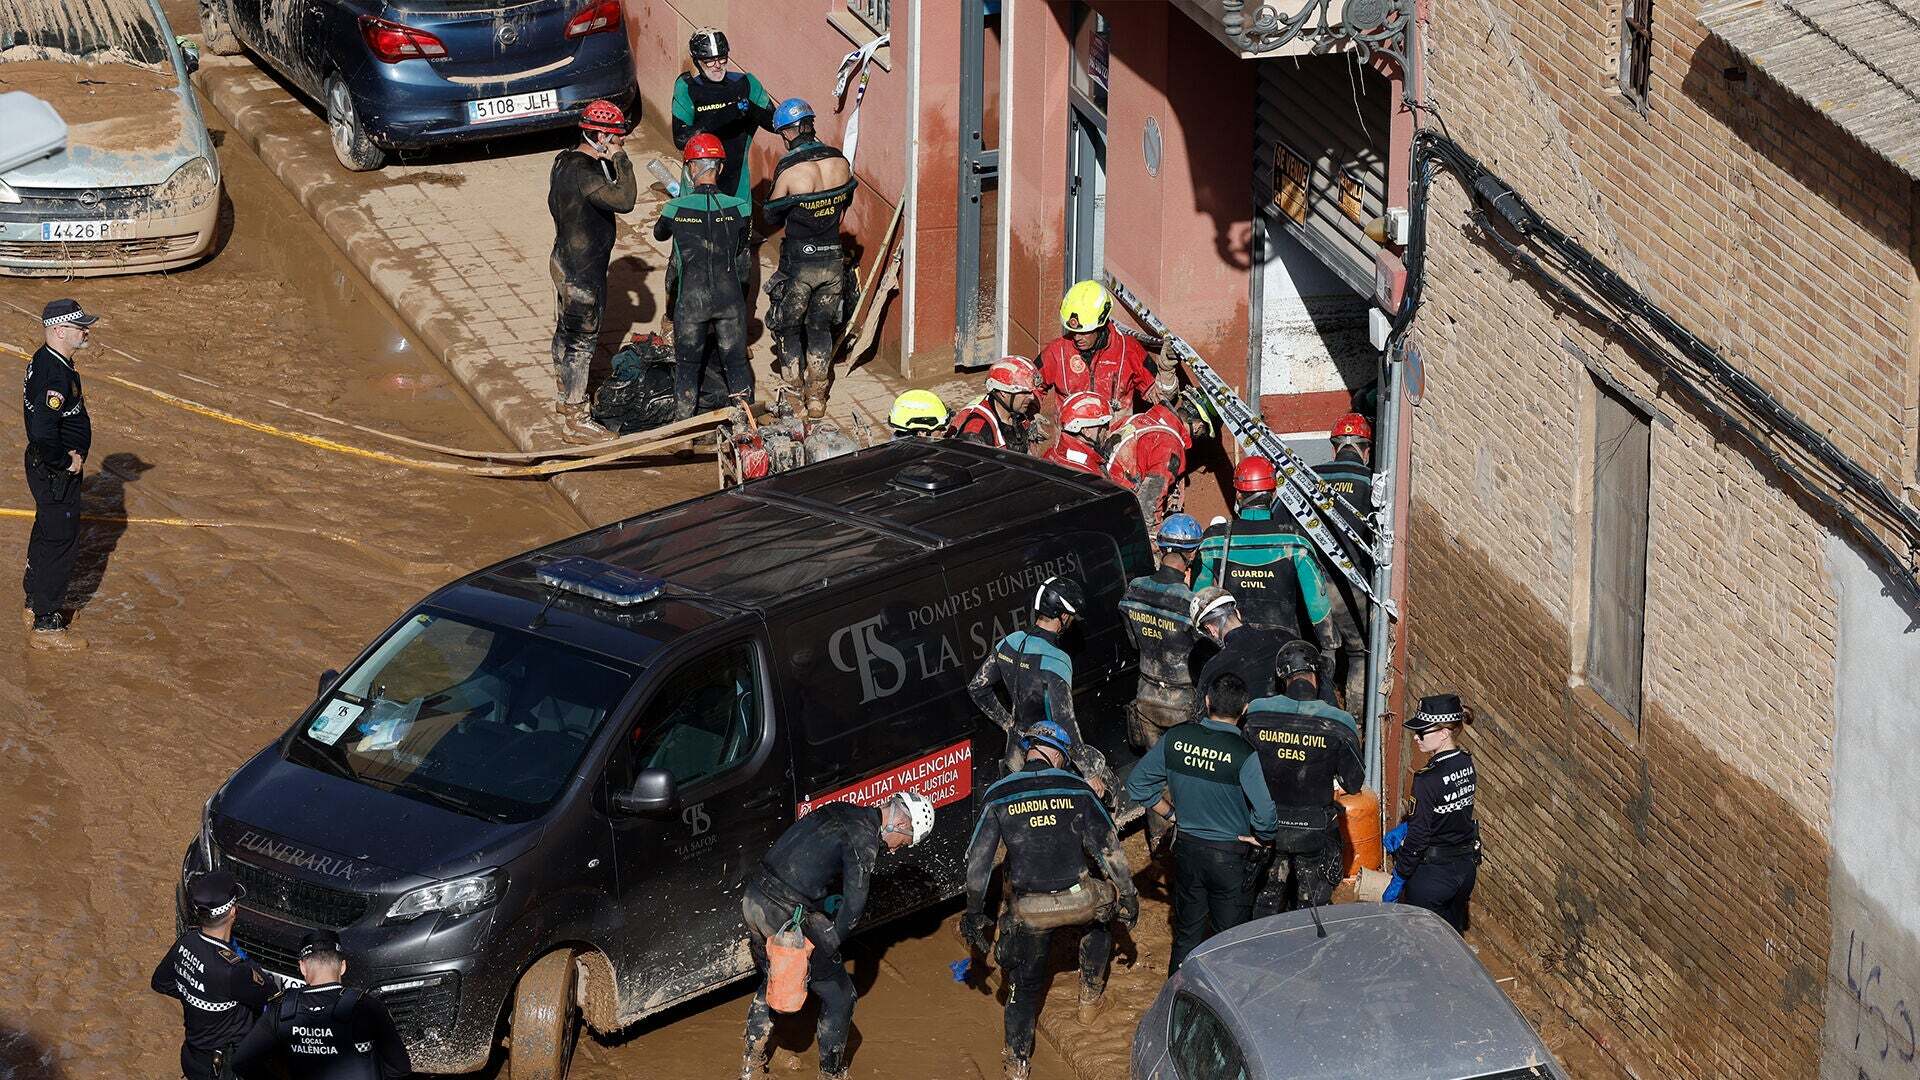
(790, 112)
(1047, 733)
(1179, 532)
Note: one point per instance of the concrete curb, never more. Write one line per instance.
(320, 187)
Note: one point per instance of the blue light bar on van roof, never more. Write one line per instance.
(601, 581)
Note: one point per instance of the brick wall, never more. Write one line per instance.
(1670, 880)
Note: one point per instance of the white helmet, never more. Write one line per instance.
(919, 810)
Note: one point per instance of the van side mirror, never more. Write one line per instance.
(326, 680)
(651, 793)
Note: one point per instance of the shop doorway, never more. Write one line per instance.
(1087, 146)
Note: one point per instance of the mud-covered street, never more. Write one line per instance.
(204, 641)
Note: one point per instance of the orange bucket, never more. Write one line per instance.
(788, 953)
(1360, 832)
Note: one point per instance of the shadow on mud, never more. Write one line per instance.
(104, 502)
(22, 1057)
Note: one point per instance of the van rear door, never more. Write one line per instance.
(712, 722)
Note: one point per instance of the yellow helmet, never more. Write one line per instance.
(1086, 308)
(916, 412)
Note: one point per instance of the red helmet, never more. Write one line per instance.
(1084, 410)
(1352, 426)
(1254, 474)
(1012, 374)
(603, 116)
(704, 147)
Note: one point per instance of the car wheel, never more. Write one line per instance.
(351, 143)
(545, 1021)
(216, 29)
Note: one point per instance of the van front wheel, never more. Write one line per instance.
(545, 1021)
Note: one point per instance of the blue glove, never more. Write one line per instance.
(959, 968)
(1392, 893)
(1395, 837)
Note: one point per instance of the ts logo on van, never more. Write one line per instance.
(868, 652)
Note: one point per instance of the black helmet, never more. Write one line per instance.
(707, 44)
(1058, 596)
(1295, 657)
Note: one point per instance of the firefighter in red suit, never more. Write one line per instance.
(1147, 455)
(1092, 355)
(1003, 415)
(1083, 426)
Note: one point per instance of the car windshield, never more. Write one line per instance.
(94, 32)
(483, 720)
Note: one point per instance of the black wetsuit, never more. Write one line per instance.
(57, 422)
(807, 294)
(221, 992)
(1352, 485)
(709, 247)
(324, 1033)
(583, 195)
(1440, 859)
(1304, 745)
(823, 861)
(1057, 834)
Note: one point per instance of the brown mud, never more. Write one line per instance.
(114, 107)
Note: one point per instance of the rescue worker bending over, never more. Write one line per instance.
(1003, 416)
(1349, 476)
(822, 866)
(1147, 453)
(1064, 871)
(918, 414)
(1271, 570)
(1440, 856)
(220, 990)
(1205, 777)
(323, 1031)
(586, 187)
(1306, 746)
(1038, 677)
(1248, 652)
(1092, 355)
(1083, 423)
(812, 188)
(1157, 610)
(726, 104)
(708, 248)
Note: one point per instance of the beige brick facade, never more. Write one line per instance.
(1671, 881)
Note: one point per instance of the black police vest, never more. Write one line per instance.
(1443, 794)
(316, 1036)
(812, 217)
(1043, 819)
(1257, 568)
(1351, 485)
(1302, 746)
(1157, 611)
(723, 109)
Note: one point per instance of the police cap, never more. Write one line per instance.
(214, 893)
(315, 942)
(1436, 710)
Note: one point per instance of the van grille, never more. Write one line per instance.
(75, 251)
(282, 959)
(300, 901)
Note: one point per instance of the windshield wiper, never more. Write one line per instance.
(338, 768)
(445, 801)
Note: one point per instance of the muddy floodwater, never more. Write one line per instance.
(205, 641)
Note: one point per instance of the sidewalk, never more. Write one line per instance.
(458, 246)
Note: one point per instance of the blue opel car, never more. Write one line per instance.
(410, 74)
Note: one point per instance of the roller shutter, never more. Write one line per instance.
(1320, 160)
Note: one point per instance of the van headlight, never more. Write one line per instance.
(461, 896)
(190, 186)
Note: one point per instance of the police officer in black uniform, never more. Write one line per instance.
(1305, 745)
(59, 435)
(821, 867)
(1215, 793)
(1440, 858)
(220, 990)
(324, 1031)
(1064, 871)
(812, 187)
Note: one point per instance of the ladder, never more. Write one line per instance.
(1301, 490)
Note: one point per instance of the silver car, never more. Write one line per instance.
(1384, 990)
(138, 185)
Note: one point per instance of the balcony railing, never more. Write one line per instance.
(1299, 27)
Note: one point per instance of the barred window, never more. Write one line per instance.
(1636, 50)
(877, 14)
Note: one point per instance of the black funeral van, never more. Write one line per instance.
(534, 800)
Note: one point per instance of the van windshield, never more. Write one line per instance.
(484, 720)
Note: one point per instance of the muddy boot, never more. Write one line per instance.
(836, 1074)
(1093, 1002)
(684, 405)
(50, 632)
(1017, 1068)
(816, 404)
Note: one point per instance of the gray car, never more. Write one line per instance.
(1388, 990)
